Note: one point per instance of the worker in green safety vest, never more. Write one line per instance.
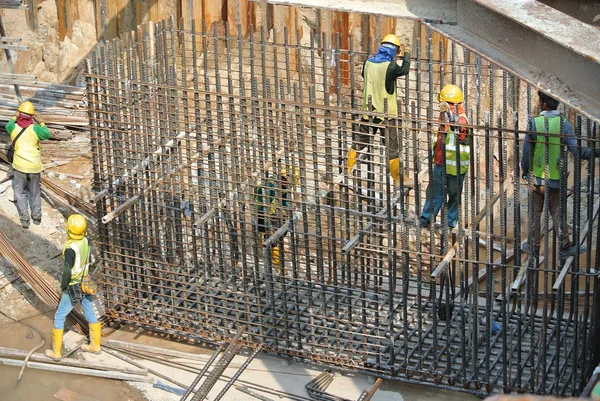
(380, 73)
(77, 264)
(453, 135)
(272, 198)
(547, 147)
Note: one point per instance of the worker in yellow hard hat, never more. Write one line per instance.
(76, 287)
(26, 158)
(272, 200)
(453, 135)
(380, 73)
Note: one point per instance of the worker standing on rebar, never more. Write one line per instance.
(453, 137)
(272, 199)
(77, 254)
(27, 162)
(549, 185)
(380, 73)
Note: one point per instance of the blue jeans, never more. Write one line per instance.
(453, 192)
(66, 305)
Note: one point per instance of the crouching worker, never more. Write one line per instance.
(77, 258)
(272, 199)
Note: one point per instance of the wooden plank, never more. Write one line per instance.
(65, 394)
(213, 11)
(67, 15)
(237, 13)
(569, 262)
(38, 357)
(101, 20)
(80, 371)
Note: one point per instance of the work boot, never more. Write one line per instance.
(395, 173)
(54, 353)
(351, 159)
(95, 334)
(25, 224)
(423, 222)
(572, 250)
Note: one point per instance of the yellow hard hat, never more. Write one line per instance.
(451, 94)
(27, 108)
(391, 38)
(295, 179)
(76, 225)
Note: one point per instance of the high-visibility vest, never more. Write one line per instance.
(82, 257)
(374, 74)
(451, 143)
(539, 154)
(28, 155)
(268, 197)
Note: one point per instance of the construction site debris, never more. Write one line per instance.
(39, 357)
(77, 370)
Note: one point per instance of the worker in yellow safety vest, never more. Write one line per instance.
(452, 133)
(77, 256)
(380, 73)
(26, 161)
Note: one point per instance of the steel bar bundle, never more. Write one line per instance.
(222, 181)
(42, 289)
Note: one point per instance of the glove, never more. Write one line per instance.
(444, 107)
(407, 48)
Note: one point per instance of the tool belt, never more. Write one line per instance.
(74, 292)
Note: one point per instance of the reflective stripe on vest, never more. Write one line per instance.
(80, 267)
(464, 151)
(375, 87)
(539, 154)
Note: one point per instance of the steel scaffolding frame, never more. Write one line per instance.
(190, 133)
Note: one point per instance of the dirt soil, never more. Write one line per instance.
(41, 246)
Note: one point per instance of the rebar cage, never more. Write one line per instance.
(222, 185)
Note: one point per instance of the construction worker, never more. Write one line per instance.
(452, 133)
(27, 162)
(272, 199)
(551, 186)
(77, 260)
(380, 73)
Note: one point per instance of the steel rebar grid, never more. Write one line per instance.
(190, 134)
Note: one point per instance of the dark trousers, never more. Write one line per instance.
(28, 195)
(366, 132)
(539, 192)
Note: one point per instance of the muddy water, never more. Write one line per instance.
(41, 385)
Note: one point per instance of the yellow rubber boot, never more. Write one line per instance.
(351, 159)
(95, 334)
(54, 353)
(275, 259)
(395, 173)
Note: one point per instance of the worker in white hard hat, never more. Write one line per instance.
(26, 158)
(453, 136)
(380, 73)
(76, 287)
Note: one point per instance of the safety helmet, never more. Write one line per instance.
(295, 176)
(27, 108)
(451, 94)
(391, 38)
(76, 225)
